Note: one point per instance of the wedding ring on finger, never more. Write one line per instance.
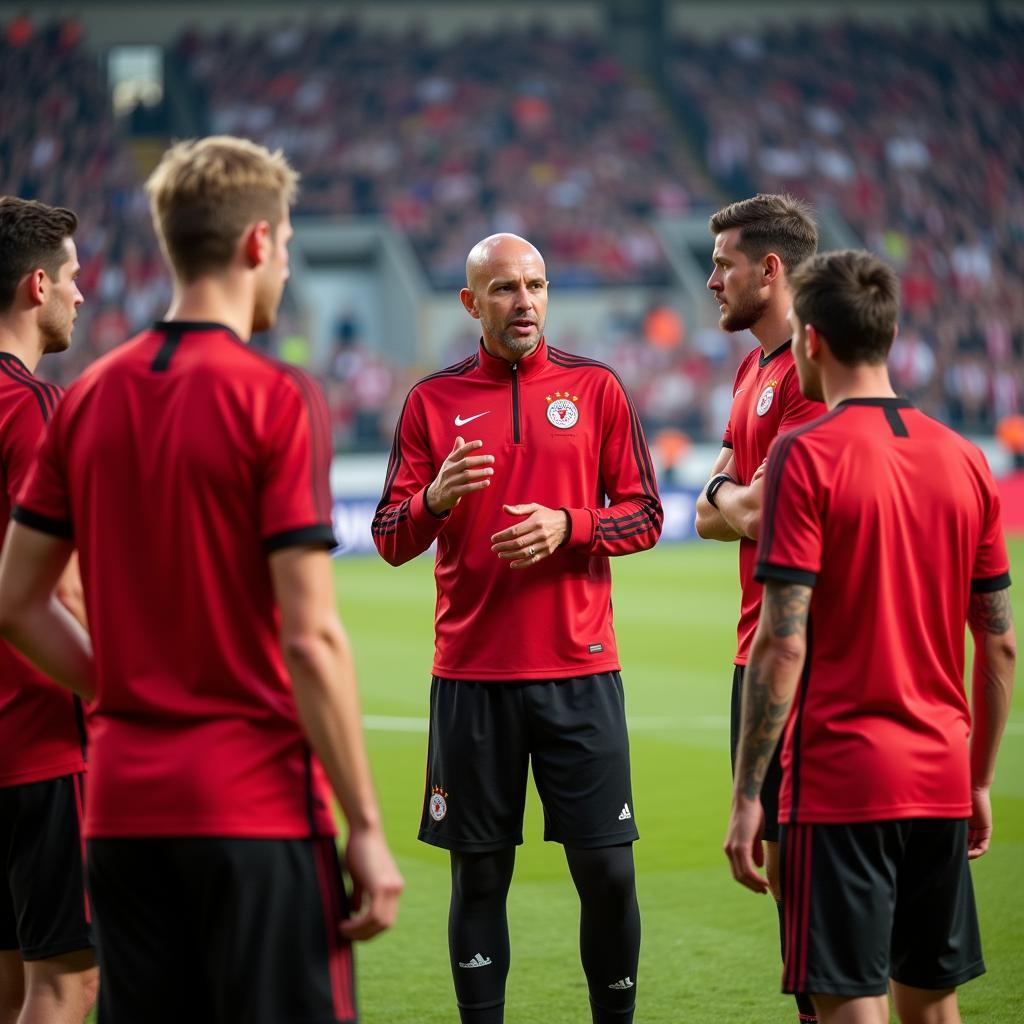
(529, 551)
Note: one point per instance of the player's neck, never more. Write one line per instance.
(221, 300)
(858, 382)
(772, 331)
(21, 340)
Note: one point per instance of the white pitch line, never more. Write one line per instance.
(407, 723)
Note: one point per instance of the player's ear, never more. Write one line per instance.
(468, 300)
(256, 244)
(813, 340)
(771, 268)
(37, 284)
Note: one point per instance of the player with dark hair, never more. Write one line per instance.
(881, 541)
(193, 474)
(759, 242)
(525, 667)
(47, 963)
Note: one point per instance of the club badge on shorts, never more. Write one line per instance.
(764, 403)
(562, 411)
(438, 803)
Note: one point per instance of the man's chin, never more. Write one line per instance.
(55, 345)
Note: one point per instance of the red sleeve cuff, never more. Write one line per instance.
(423, 520)
(581, 528)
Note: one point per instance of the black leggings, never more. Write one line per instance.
(609, 931)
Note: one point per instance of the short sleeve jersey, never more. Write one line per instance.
(42, 728)
(894, 520)
(766, 402)
(177, 463)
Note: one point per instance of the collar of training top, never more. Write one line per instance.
(528, 366)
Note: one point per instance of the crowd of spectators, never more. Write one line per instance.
(510, 129)
(915, 137)
(60, 144)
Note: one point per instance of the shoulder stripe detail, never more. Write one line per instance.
(771, 485)
(395, 459)
(164, 354)
(641, 453)
(896, 424)
(47, 402)
(321, 443)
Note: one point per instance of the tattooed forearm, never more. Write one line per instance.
(764, 718)
(787, 604)
(990, 613)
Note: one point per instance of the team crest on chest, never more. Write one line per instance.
(438, 803)
(562, 410)
(764, 403)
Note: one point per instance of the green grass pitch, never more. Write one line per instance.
(709, 947)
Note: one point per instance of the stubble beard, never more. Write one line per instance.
(513, 343)
(743, 316)
(55, 330)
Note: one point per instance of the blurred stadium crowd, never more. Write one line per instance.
(914, 137)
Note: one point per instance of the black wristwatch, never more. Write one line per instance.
(713, 486)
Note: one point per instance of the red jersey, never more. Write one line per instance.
(766, 401)
(42, 729)
(894, 520)
(563, 434)
(178, 462)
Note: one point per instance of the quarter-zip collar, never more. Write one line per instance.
(529, 366)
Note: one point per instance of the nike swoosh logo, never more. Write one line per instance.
(738, 390)
(460, 422)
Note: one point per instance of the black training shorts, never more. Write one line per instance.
(483, 736)
(878, 900)
(44, 911)
(773, 777)
(221, 931)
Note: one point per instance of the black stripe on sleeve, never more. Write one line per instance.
(990, 584)
(44, 524)
(784, 574)
(319, 536)
(727, 444)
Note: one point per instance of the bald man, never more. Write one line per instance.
(529, 468)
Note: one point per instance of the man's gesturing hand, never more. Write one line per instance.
(459, 474)
(535, 538)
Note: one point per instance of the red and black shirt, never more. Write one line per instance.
(42, 727)
(178, 463)
(564, 434)
(894, 520)
(766, 402)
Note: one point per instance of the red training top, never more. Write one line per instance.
(42, 729)
(563, 434)
(766, 401)
(894, 520)
(179, 462)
